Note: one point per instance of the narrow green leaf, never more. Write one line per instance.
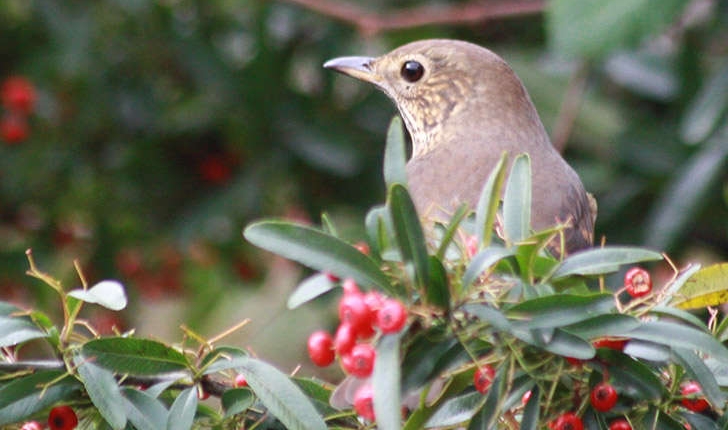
(309, 289)
(386, 384)
(699, 371)
(21, 397)
(567, 345)
(708, 107)
(283, 398)
(677, 335)
(482, 261)
(488, 314)
(395, 157)
(531, 412)
(490, 196)
(134, 356)
(317, 250)
(103, 390)
(182, 411)
(109, 294)
(438, 291)
(327, 225)
(679, 313)
(559, 310)
(15, 330)
(603, 326)
(408, 232)
(517, 200)
(143, 411)
(632, 376)
(237, 400)
(598, 261)
(452, 228)
(707, 287)
(456, 410)
(376, 225)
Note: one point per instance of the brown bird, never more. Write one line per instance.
(463, 105)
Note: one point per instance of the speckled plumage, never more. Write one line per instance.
(468, 107)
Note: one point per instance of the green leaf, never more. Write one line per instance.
(698, 370)
(408, 232)
(309, 289)
(21, 397)
(598, 261)
(707, 287)
(16, 330)
(103, 390)
(490, 412)
(594, 28)
(631, 376)
(134, 356)
(427, 354)
(488, 314)
(705, 111)
(395, 157)
(517, 200)
(487, 208)
(678, 313)
(559, 310)
(531, 412)
(567, 345)
(376, 222)
(182, 411)
(109, 294)
(456, 410)
(222, 353)
(237, 400)
(438, 291)
(603, 326)
(452, 228)
(482, 261)
(676, 335)
(386, 384)
(317, 250)
(143, 411)
(281, 396)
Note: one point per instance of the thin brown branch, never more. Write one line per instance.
(369, 23)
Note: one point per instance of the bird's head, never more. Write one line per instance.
(433, 81)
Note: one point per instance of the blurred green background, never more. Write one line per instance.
(161, 127)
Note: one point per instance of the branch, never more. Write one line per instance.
(370, 23)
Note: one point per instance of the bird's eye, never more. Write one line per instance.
(412, 71)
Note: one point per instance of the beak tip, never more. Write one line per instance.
(349, 65)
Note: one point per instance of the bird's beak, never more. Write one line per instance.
(356, 67)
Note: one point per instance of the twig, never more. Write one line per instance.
(370, 23)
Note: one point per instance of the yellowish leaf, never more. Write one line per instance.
(707, 287)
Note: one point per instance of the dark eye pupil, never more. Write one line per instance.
(412, 71)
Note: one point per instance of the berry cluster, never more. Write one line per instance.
(60, 418)
(18, 98)
(361, 316)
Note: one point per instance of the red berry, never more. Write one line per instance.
(18, 95)
(620, 424)
(364, 402)
(638, 282)
(373, 300)
(240, 380)
(695, 404)
(483, 377)
(392, 316)
(62, 418)
(331, 277)
(354, 311)
(574, 361)
(349, 286)
(214, 169)
(567, 421)
(202, 394)
(526, 397)
(13, 128)
(32, 425)
(362, 247)
(359, 361)
(320, 349)
(611, 343)
(603, 397)
(344, 339)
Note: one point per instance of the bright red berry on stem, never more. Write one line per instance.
(13, 128)
(354, 311)
(62, 418)
(695, 404)
(240, 381)
(32, 425)
(18, 95)
(638, 282)
(392, 316)
(526, 397)
(620, 424)
(483, 377)
(359, 361)
(344, 339)
(603, 397)
(567, 421)
(373, 300)
(364, 402)
(320, 349)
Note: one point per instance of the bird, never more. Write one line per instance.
(463, 106)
